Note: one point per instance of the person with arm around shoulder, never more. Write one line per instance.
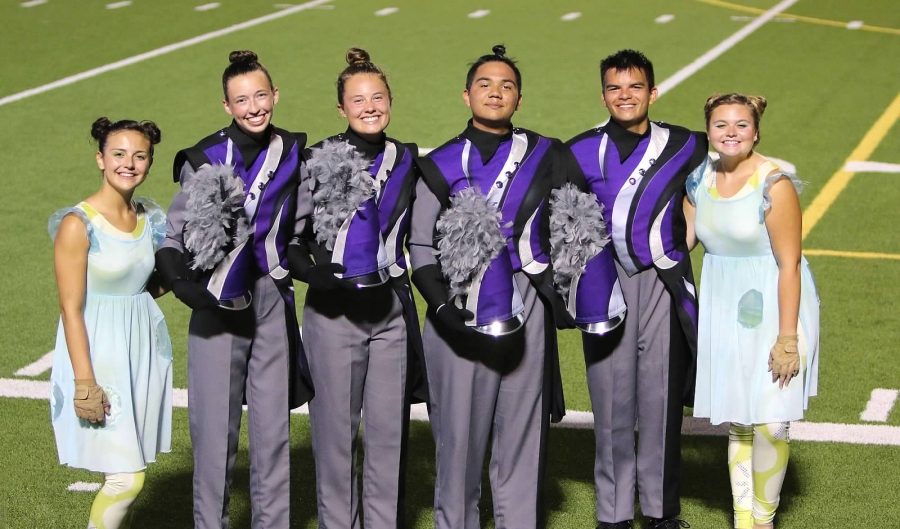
(111, 380)
(481, 261)
(759, 312)
(641, 372)
(360, 328)
(225, 257)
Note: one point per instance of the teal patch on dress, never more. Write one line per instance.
(750, 309)
(56, 401)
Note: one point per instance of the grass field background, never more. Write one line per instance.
(827, 86)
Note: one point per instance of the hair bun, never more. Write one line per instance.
(100, 128)
(759, 102)
(499, 50)
(151, 130)
(242, 56)
(357, 57)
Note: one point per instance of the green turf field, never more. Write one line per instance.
(828, 67)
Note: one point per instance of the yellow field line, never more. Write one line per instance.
(853, 255)
(841, 178)
(810, 20)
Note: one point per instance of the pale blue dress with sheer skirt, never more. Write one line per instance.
(738, 320)
(129, 347)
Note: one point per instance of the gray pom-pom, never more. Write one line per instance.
(577, 233)
(215, 214)
(341, 183)
(469, 237)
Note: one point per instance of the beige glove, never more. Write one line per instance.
(784, 359)
(90, 400)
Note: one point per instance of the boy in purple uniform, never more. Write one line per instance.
(641, 372)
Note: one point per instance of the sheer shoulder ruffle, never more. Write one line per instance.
(156, 218)
(57, 217)
(692, 184)
(768, 181)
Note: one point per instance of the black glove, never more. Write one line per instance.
(173, 271)
(430, 281)
(317, 276)
(193, 294)
(454, 318)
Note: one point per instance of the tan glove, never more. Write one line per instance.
(90, 400)
(784, 359)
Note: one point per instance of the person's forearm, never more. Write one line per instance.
(788, 298)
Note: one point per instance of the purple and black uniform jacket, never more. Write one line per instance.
(639, 179)
(375, 236)
(521, 167)
(269, 169)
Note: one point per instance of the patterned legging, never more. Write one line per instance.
(110, 507)
(757, 461)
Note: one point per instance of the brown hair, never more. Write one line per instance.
(358, 61)
(243, 62)
(756, 104)
(103, 127)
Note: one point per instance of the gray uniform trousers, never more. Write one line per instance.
(632, 381)
(356, 342)
(485, 388)
(230, 353)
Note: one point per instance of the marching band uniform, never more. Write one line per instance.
(363, 340)
(485, 387)
(247, 348)
(642, 372)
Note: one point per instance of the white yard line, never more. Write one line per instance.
(871, 167)
(117, 5)
(83, 486)
(33, 3)
(386, 11)
(481, 13)
(722, 47)
(868, 434)
(879, 406)
(568, 17)
(207, 7)
(94, 72)
(38, 367)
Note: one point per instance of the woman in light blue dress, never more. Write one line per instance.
(758, 336)
(111, 383)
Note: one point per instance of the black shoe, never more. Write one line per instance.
(667, 523)
(616, 525)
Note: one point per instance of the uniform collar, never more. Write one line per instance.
(487, 143)
(367, 148)
(248, 146)
(625, 140)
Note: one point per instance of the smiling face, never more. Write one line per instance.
(731, 130)
(125, 160)
(250, 100)
(493, 97)
(628, 95)
(366, 105)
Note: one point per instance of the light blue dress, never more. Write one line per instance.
(130, 350)
(738, 320)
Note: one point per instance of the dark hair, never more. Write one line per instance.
(358, 61)
(756, 104)
(243, 62)
(103, 127)
(626, 60)
(499, 55)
